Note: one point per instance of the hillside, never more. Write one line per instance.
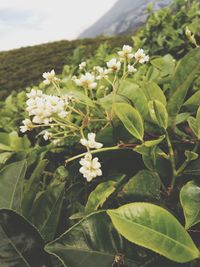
(23, 67)
(124, 16)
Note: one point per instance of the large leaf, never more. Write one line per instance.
(11, 189)
(46, 211)
(184, 76)
(20, 243)
(31, 188)
(131, 119)
(190, 200)
(92, 242)
(155, 228)
(144, 185)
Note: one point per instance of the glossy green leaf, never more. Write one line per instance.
(153, 92)
(131, 119)
(190, 201)
(155, 228)
(144, 185)
(11, 189)
(134, 93)
(20, 243)
(46, 210)
(158, 113)
(32, 187)
(183, 77)
(92, 242)
(99, 195)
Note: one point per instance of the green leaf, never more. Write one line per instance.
(32, 187)
(5, 156)
(134, 93)
(11, 189)
(182, 117)
(158, 113)
(193, 125)
(193, 168)
(99, 195)
(155, 228)
(18, 143)
(144, 185)
(20, 243)
(190, 201)
(45, 214)
(153, 92)
(193, 102)
(190, 155)
(183, 77)
(131, 119)
(92, 242)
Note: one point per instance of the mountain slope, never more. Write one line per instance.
(124, 16)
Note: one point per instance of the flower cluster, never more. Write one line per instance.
(42, 108)
(125, 56)
(91, 167)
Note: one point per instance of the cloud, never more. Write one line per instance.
(27, 22)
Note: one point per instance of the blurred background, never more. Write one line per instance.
(24, 23)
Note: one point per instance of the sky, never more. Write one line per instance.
(30, 22)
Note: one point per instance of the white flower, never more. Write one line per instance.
(114, 65)
(102, 73)
(56, 142)
(86, 80)
(82, 65)
(91, 168)
(34, 93)
(27, 126)
(126, 52)
(91, 143)
(131, 69)
(50, 77)
(141, 57)
(47, 135)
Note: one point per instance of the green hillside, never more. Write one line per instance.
(23, 67)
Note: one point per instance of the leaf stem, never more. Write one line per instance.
(94, 152)
(172, 159)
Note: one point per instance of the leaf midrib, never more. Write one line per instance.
(14, 190)
(46, 221)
